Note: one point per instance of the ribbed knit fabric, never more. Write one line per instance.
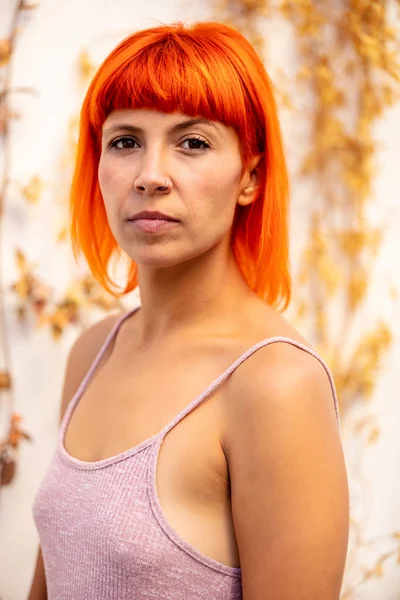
(102, 530)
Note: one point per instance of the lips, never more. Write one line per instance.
(152, 216)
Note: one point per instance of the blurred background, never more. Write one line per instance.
(335, 67)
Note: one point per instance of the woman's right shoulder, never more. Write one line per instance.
(82, 355)
(89, 342)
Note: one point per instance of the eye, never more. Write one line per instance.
(123, 143)
(195, 143)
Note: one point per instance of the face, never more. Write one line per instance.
(171, 184)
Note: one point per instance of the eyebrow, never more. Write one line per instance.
(178, 127)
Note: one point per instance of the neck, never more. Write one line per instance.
(197, 297)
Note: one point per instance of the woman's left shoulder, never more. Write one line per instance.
(283, 373)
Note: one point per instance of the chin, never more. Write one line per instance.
(152, 257)
(163, 255)
(162, 258)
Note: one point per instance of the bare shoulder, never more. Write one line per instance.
(288, 364)
(285, 378)
(279, 369)
(283, 383)
(82, 355)
(287, 471)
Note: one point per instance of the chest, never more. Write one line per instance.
(131, 398)
(122, 407)
(118, 412)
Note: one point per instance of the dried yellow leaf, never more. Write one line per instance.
(21, 312)
(60, 318)
(330, 275)
(301, 310)
(20, 260)
(5, 51)
(62, 234)
(33, 189)
(86, 67)
(373, 436)
(378, 571)
(23, 287)
(304, 73)
(56, 331)
(5, 380)
(357, 288)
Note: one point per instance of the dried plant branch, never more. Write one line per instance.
(6, 114)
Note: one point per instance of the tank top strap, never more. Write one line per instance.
(224, 376)
(110, 337)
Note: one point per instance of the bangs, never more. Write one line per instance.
(177, 73)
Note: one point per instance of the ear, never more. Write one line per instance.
(250, 182)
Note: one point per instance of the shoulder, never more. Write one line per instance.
(91, 339)
(278, 366)
(282, 383)
(82, 354)
(281, 373)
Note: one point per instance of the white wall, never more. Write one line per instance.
(49, 41)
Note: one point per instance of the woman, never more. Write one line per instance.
(241, 492)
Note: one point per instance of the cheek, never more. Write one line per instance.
(113, 191)
(221, 186)
(107, 176)
(114, 183)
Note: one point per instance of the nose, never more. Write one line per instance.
(151, 178)
(151, 187)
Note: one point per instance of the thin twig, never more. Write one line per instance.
(4, 183)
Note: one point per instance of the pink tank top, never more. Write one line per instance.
(102, 531)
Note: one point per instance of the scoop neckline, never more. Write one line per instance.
(104, 462)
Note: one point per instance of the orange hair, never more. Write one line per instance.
(208, 70)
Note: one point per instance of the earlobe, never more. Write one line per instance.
(248, 195)
(250, 190)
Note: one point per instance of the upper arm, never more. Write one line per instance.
(288, 478)
(38, 589)
(81, 357)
